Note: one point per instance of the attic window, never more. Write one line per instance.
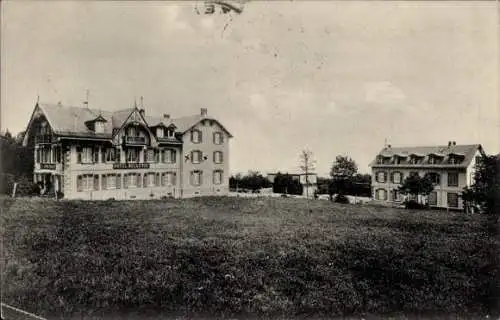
(99, 127)
(159, 132)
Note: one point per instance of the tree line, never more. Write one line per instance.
(16, 164)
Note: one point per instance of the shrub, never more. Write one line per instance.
(341, 199)
(412, 204)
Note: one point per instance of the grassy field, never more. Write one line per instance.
(218, 257)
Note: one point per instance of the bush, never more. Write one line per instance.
(341, 199)
(412, 204)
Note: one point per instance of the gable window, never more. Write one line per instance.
(132, 155)
(169, 156)
(170, 133)
(196, 136)
(159, 132)
(217, 177)
(218, 138)
(196, 156)
(218, 157)
(452, 179)
(196, 178)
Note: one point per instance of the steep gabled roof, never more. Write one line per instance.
(468, 151)
(186, 123)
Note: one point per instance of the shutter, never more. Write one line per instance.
(125, 181)
(144, 177)
(173, 155)
(96, 182)
(215, 157)
(103, 155)
(104, 179)
(391, 177)
(376, 177)
(200, 178)
(117, 155)
(174, 178)
(79, 186)
(385, 176)
(118, 181)
(162, 155)
(79, 154)
(221, 157)
(200, 137)
(157, 182)
(200, 156)
(221, 138)
(162, 181)
(96, 155)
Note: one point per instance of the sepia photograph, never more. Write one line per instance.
(249, 159)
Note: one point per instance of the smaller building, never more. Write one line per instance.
(308, 181)
(451, 166)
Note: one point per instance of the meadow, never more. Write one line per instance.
(238, 257)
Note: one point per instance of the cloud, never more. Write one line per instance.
(383, 93)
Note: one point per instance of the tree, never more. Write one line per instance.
(342, 171)
(416, 185)
(485, 190)
(307, 165)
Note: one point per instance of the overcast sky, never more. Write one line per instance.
(336, 77)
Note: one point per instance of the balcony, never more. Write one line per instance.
(132, 140)
(45, 167)
(43, 138)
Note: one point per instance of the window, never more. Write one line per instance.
(218, 138)
(168, 156)
(159, 132)
(433, 198)
(381, 194)
(87, 182)
(196, 136)
(150, 155)
(431, 160)
(435, 177)
(169, 179)
(452, 200)
(43, 155)
(196, 156)
(151, 179)
(131, 180)
(109, 181)
(217, 177)
(196, 178)
(396, 195)
(218, 157)
(452, 179)
(99, 127)
(85, 155)
(132, 155)
(170, 133)
(396, 177)
(109, 155)
(380, 176)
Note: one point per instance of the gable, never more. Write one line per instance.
(135, 118)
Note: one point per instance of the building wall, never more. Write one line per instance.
(441, 190)
(207, 147)
(74, 169)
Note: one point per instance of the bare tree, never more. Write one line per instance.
(307, 165)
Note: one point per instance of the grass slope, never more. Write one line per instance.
(233, 256)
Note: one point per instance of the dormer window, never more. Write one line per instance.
(455, 158)
(159, 132)
(170, 133)
(99, 127)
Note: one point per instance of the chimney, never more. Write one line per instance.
(449, 143)
(388, 146)
(142, 112)
(166, 116)
(454, 143)
(203, 112)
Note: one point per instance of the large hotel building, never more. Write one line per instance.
(81, 153)
(450, 166)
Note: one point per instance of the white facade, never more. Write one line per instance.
(133, 160)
